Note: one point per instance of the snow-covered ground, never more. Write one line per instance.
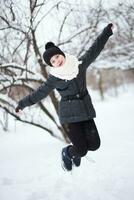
(30, 164)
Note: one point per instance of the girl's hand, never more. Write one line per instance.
(112, 27)
(18, 110)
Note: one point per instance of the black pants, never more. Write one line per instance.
(84, 137)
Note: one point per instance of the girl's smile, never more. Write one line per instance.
(57, 60)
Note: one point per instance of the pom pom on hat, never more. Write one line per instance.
(49, 45)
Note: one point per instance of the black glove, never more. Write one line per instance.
(109, 27)
(17, 109)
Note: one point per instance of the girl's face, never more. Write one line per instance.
(57, 60)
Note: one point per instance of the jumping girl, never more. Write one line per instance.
(68, 76)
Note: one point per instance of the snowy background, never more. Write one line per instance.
(30, 159)
(30, 162)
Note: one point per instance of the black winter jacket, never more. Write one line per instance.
(75, 104)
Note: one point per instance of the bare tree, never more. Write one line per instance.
(24, 44)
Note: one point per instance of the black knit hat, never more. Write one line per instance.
(51, 50)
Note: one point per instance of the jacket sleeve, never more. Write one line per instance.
(38, 94)
(92, 53)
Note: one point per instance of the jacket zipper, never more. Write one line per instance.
(83, 100)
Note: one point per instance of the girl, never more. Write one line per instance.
(68, 75)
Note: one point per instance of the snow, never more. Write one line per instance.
(30, 163)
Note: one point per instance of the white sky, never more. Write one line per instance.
(105, 2)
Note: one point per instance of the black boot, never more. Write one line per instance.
(76, 161)
(67, 161)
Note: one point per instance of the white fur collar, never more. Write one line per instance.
(69, 70)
